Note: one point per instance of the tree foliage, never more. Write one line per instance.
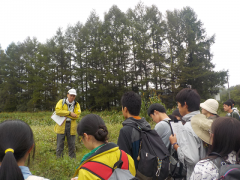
(139, 50)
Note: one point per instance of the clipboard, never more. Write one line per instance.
(58, 119)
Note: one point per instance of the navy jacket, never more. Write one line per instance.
(129, 137)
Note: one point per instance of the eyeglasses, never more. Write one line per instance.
(209, 131)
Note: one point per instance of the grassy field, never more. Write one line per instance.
(45, 162)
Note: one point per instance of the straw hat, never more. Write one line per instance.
(211, 105)
(202, 126)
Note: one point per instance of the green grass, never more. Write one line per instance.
(45, 162)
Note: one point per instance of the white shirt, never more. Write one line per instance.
(207, 170)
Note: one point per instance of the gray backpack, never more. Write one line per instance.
(226, 171)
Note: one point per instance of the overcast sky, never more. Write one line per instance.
(42, 18)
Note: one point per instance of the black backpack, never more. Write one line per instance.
(177, 168)
(226, 171)
(153, 155)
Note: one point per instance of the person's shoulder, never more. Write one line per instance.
(206, 164)
(126, 128)
(161, 125)
(60, 100)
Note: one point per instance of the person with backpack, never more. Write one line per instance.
(16, 143)
(227, 106)
(209, 108)
(136, 138)
(234, 108)
(105, 157)
(223, 159)
(189, 146)
(71, 110)
(129, 137)
(158, 114)
(164, 129)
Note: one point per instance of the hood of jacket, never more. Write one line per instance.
(188, 117)
(140, 122)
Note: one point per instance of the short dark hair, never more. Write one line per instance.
(233, 102)
(228, 103)
(177, 113)
(191, 97)
(132, 101)
(17, 135)
(156, 106)
(226, 136)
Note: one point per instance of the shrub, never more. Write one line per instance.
(151, 98)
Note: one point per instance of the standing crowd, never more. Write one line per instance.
(200, 149)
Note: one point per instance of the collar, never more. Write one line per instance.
(137, 117)
(166, 119)
(69, 102)
(25, 171)
(232, 157)
(188, 116)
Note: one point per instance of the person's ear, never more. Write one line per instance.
(125, 109)
(155, 112)
(30, 149)
(85, 136)
(185, 104)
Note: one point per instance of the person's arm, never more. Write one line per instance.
(173, 141)
(124, 140)
(188, 150)
(131, 165)
(60, 111)
(77, 112)
(159, 128)
(162, 130)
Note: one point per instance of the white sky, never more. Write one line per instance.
(41, 18)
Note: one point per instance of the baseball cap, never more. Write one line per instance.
(72, 91)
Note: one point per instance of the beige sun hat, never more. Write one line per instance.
(202, 127)
(211, 105)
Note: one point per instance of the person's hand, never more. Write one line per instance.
(173, 139)
(73, 114)
(76, 178)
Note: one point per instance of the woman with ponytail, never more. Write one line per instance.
(16, 143)
(94, 134)
(225, 138)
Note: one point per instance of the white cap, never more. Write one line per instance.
(211, 105)
(72, 91)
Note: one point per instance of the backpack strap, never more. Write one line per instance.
(169, 148)
(122, 163)
(102, 170)
(219, 161)
(170, 126)
(98, 169)
(135, 126)
(63, 101)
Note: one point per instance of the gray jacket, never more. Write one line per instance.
(191, 148)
